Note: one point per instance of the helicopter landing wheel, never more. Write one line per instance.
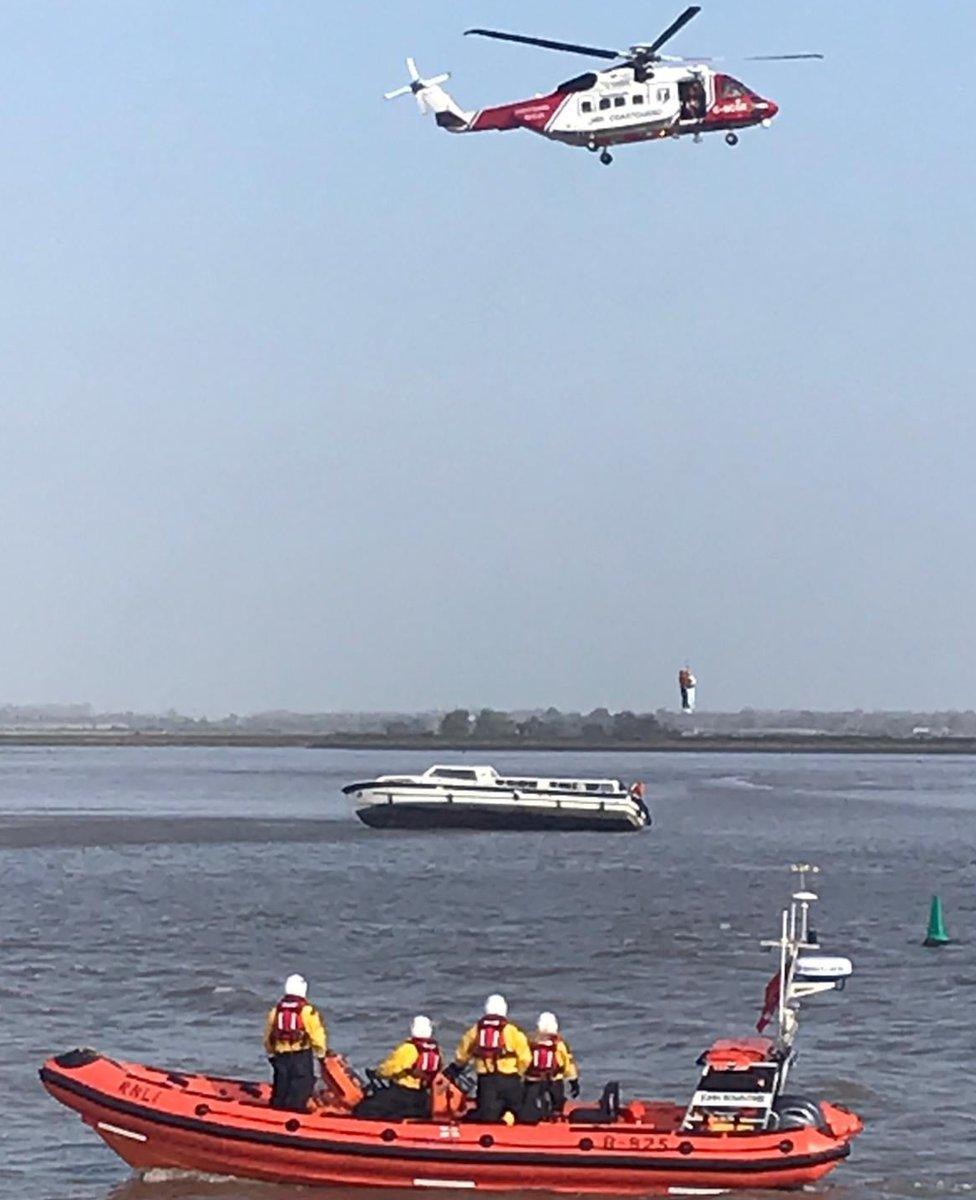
(606, 158)
(731, 139)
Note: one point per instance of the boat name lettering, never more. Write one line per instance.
(756, 1099)
(641, 1142)
(139, 1091)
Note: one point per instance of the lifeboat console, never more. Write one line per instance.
(741, 1129)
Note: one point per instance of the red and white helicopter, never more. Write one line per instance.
(646, 95)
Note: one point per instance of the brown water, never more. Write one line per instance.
(154, 900)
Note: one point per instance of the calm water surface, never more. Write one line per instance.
(153, 900)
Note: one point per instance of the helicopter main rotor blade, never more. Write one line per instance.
(778, 57)
(546, 44)
(689, 14)
(691, 60)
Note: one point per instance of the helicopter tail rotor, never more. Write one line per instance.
(431, 97)
(418, 86)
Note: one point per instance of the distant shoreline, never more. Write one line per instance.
(440, 748)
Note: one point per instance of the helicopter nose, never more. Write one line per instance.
(769, 109)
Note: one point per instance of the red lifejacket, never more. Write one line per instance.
(428, 1060)
(288, 1026)
(545, 1064)
(490, 1043)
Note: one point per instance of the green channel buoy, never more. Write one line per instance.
(936, 934)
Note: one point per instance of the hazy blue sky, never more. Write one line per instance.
(307, 403)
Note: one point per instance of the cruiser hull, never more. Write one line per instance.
(408, 815)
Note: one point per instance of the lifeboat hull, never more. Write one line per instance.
(153, 1118)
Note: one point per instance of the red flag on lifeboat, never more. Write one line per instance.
(636, 791)
(770, 1003)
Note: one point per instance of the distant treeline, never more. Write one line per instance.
(490, 725)
(487, 725)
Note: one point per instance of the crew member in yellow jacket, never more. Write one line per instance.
(294, 1037)
(501, 1055)
(409, 1074)
(551, 1070)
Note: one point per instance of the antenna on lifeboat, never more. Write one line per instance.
(804, 898)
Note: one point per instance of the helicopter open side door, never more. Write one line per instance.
(693, 99)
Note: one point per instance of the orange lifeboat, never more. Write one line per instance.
(154, 1118)
(741, 1128)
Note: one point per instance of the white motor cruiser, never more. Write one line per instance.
(477, 797)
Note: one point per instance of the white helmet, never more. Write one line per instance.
(548, 1023)
(496, 1006)
(421, 1027)
(296, 985)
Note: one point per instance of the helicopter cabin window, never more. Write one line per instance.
(638, 98)
(604, 103)
(586, 106)
(663, 95)
(619, 101)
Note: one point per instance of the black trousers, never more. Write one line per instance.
(294, 1080)
(542, 1098)
(496, 1095)
(395, 1102)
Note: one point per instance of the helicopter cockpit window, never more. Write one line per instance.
(732, 88)
(580, 83)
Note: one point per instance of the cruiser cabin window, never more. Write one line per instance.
(453, 773)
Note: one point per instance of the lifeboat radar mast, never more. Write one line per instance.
(802, 971)
(742, 1085)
